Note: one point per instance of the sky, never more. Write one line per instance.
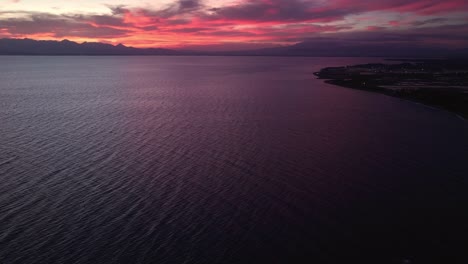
(237, 24)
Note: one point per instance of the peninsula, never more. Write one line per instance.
(439, 83)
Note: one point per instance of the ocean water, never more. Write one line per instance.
(222, 160)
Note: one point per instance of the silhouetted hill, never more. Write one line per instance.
(313, 48)
(66, 47)
(337, 48)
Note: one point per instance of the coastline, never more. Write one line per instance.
(441, 84)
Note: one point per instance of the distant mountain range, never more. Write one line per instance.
(330, 48)
(337, 48)
(66, 47)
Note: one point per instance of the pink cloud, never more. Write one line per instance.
(190, 22)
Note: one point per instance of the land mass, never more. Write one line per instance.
(66, 47)
(439, 83)
(316, 48)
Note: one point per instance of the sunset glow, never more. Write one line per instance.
(240, 24)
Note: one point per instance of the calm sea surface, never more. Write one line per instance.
(222, 160)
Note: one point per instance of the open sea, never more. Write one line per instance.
(222, 160)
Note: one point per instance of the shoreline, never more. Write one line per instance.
(384, 92)
(439, 86)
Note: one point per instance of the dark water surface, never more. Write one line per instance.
(222, 160)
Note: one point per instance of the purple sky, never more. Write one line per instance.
(238, 24)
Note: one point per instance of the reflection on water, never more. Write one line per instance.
(221, 160)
